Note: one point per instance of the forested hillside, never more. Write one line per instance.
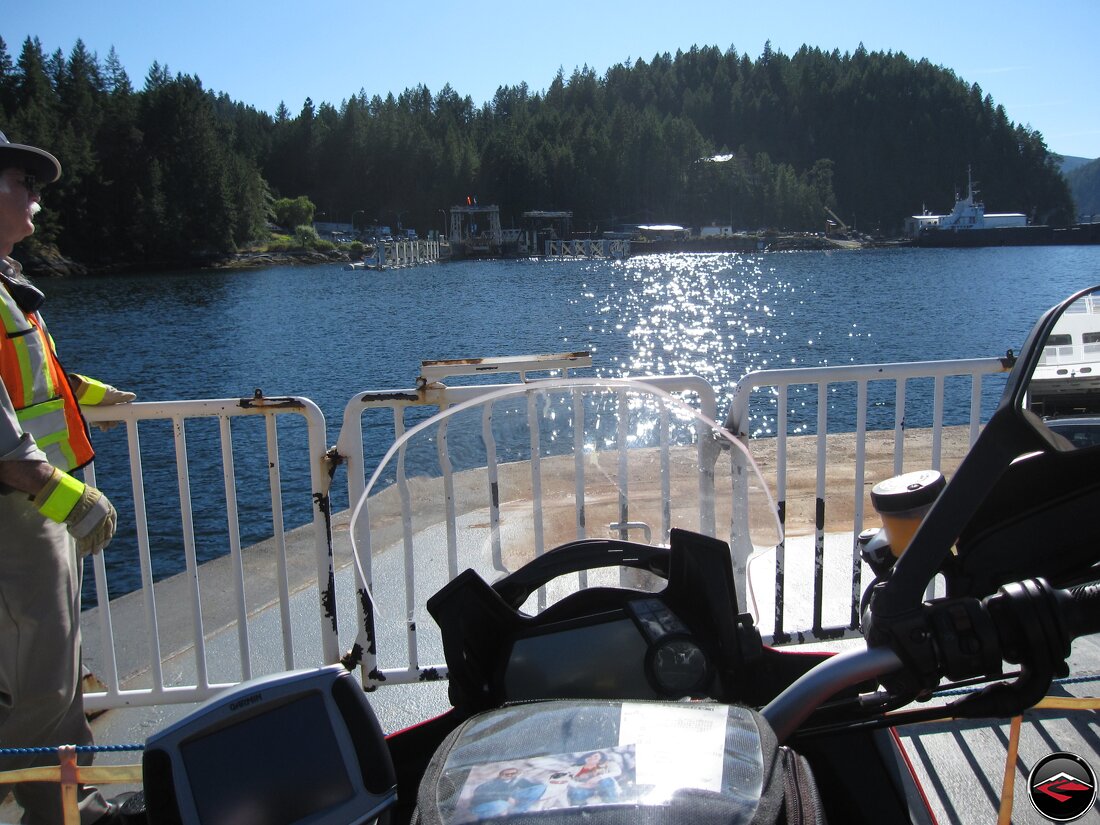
(170, 169)
(1084, 182)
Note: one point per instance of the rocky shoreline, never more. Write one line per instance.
(48, 262)
(255, 260)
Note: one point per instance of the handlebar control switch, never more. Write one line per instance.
(965, 637)
(956, 638)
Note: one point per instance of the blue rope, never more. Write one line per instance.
(1069, 680)
(1076, 680)
(78, 749)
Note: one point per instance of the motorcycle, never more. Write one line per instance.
(567, 548)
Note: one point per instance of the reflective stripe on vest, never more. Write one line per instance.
(39, 390)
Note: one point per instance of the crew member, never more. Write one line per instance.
(49, 519)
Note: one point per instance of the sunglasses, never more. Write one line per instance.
(30, 183)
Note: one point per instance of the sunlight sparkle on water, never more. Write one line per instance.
(722, 316)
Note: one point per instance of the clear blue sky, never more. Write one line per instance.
(1036, 59)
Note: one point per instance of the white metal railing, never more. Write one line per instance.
(118, 626)
(587, 248)
(111, 630)
(818, 380)
(398, 254)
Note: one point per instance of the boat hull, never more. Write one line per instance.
(1087, 233)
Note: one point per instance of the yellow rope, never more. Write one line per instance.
(1046, 703)
(88, 774)
(69, 775)
(1008, 784)
(1067, 703)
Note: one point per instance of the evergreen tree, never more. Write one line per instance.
(181, 135)
(34, 120)
(699, 137)
(7, 83)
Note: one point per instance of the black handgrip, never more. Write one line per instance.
(1082, 614)
(583, 554)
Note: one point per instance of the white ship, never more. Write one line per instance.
(968, 214)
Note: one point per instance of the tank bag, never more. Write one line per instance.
(598, 762)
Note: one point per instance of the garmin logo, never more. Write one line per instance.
(245, 701)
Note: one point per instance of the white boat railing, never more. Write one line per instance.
(151, 618)
(822, 384)
(125, 638)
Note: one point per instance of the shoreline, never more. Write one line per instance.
(48, 261)
(764, 242)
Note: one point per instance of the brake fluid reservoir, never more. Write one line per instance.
(903, 501)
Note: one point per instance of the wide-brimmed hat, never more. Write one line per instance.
(37, 162)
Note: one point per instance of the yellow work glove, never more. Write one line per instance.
(85, 511)
(92, 393)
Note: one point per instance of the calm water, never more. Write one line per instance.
(326, 333)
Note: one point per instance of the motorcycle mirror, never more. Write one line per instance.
(1036, 389)
(1064, 386)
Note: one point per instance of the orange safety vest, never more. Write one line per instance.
(39, 388)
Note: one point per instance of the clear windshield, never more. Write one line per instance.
(491, 483)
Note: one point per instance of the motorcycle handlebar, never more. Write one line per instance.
(791, 708)
(1078, 614)
(1082, 612)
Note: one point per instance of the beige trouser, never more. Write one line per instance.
(40, 699)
